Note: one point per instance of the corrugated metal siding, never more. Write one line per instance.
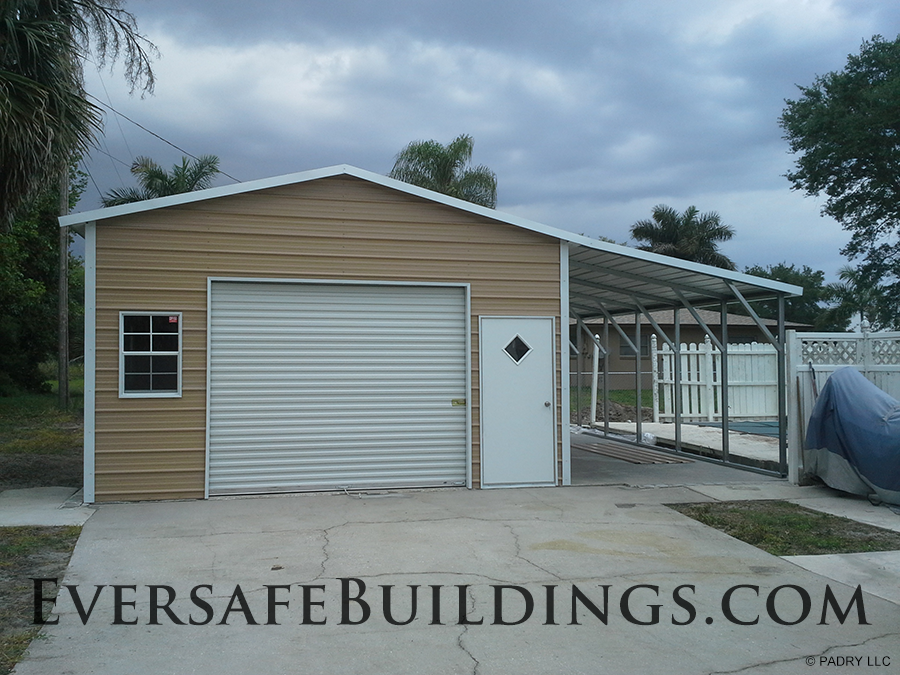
(302, 397)
(336, 228)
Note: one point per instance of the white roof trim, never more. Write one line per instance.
(344, 169)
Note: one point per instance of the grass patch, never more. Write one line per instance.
(782, 528)
(26, 553)
(40, 445)
(33, 424)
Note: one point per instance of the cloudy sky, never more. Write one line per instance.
(589, 111)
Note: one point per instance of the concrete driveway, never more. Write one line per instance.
(459, 547)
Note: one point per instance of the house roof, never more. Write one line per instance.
(617, 278)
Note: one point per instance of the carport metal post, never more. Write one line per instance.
(782, 391)
(779, 343)
(677, 387)
(606, 376)
(723, 381)
(579, 364)
(638, 367)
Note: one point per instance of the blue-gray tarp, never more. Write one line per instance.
(854, 437)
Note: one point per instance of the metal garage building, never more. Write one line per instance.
(337, 329)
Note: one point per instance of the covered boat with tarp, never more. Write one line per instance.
(853, 439)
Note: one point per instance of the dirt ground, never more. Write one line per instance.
(617, 413)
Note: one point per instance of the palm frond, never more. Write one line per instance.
(433, 166)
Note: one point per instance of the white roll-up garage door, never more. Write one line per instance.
(332, 386)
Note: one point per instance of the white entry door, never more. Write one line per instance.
(518, 407)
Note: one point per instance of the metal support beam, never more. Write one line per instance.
(596, 304)
(618, 328)
(656, 327)
(723, 381)
(677, 321)
(606, 378)
(753, 315)
(782, 391)
(579, 365)
(638, 376)
(700, 321)
(583, 326)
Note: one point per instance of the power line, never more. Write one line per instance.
(154, 134)
(114, 159)
(91, 176)
(118, 123)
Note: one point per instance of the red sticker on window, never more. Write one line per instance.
(173, 319)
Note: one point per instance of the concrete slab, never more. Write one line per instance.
(646, 568)
(750, 446)
(47, 506)
(593, 469)
(876, 572)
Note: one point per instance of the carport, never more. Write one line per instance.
(606, 281)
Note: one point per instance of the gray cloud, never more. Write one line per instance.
(589, 112)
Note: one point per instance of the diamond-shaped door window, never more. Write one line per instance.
(517, 349)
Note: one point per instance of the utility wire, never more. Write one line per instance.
(118, 122)
(113, 158)
(154, 134)
(91, 176)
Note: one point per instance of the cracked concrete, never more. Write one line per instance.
(594, 580)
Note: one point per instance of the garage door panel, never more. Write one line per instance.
(317, 386)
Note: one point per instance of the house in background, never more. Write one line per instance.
(224, 352)
(742, 329)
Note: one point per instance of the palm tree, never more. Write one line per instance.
(190, 175)
(443, 169)
(855, 294)
(689, 236)
(45, 116)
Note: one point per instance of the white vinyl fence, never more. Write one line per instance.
(813, 357)
(752, 382)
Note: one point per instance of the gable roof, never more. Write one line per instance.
(618, 278)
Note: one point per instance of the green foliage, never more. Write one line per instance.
(29, 280)
(45, 116)
(690, 235)
(445, 169)
(154, 181)
(845, 131)
(858, 294)
(810, 308)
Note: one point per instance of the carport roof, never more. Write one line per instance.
(618, 278)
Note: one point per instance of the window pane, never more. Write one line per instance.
(165, 382)
(165, 343)
(137, 383)
(517, 349)
(165, 364)
(136, 324)
(137, 364)
(137, 343)
(165, 324)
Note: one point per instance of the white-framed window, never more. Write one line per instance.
(149, 354)
(626, 352)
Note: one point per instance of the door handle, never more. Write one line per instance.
(546, 404)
